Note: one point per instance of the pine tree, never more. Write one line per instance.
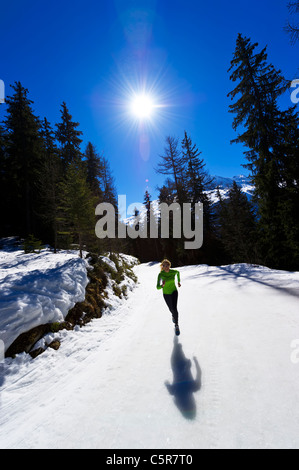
(109, 195)
(50, 182)
(257, 110)
(293, 27)
(149, 245)
(288, 203)
(94, 170)
(77, 214)
(23, 161)
(147, 204)
(197, 183)
(167, 192)
(197, 180)
(172, 165)
(69, 138)
(237, 224)
(107, 183)
(259, 85)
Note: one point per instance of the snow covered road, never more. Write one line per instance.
(125, 381)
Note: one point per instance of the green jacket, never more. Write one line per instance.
(169, 278)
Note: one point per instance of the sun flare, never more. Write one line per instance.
(142, 106)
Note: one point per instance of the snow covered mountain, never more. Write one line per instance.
(223, 183)
(226, 183)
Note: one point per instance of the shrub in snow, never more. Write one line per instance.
(32, 245)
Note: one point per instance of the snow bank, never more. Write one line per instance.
(287, 281)
(122, 258)
(37, 288)
(115, 290)
(40, 288)
(109, 262)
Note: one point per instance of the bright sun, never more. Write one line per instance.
(142, 106)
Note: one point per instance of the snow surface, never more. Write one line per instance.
(125, 381)
(37, 288)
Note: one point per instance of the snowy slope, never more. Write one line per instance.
(225, 184)
(125, 381)
(37, 288)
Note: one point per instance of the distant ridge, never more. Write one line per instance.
(227, 182)
(223, 183)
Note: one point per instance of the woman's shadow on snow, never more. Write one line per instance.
(184, 385)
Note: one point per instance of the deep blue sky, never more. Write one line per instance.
(94, 54)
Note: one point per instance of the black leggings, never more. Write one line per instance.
(172, 301)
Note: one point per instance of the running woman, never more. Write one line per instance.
(166, 281)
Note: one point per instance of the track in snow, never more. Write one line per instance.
(125, 381)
